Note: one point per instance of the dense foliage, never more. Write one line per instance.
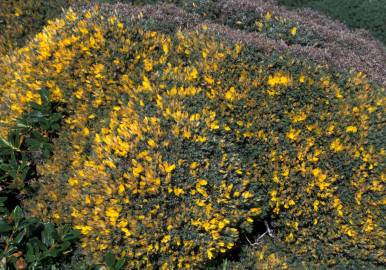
(21, 19)
(28, 242)
(168, 146)
(369, 14)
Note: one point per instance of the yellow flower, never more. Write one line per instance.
(193, 75)
(231, 94)
(293, 134)
(268, 16)
(299, 117)
(247, 195)
(210, 253)
(316, 205)
(137, 170)
(170, 168)
(208, 79)
(178, 191)
(83, 229)
(351, 129)
(279, 78)
(112, 213)
(86, 131)
(146, 83)
(293, 31)
(336, 146)
(202, 182)
(121, 189)
(148, 65)
(151, 143)
(73, 181)
(165, 48)
(193, 165)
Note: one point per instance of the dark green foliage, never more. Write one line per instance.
(366, 14)
(28, 143)
(27, 241)
(112, 263)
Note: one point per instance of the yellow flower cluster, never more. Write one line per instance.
(21, 19)
(174, 144)
(153, 179)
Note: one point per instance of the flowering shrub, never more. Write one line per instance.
(175, 144)
(21, 19)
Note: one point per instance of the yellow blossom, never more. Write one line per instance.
(336, 146)
(293, 31)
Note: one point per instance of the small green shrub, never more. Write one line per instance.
(29, 142)
(27, 242)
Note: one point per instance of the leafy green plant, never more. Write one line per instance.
(112, 262)
(28, 242)
(28, 143)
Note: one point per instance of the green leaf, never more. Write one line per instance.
(17, 214)
(12, 249)
(7, 146)
(110, 260)
(20, 236)
(30, 254)
(120, 264)
(48, 235)
(4, 227)
(71, 235)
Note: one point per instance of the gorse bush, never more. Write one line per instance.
(168, 145)
(270, 27)
(21, 19)
(173, 145)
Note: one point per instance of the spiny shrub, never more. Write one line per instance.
(270, 28)
(174, 145)
(21, 19)
(158, 136)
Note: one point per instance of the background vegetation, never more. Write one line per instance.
(366, 14)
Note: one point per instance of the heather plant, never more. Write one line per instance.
(272, 25)
(308, 35)
(368, 14)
